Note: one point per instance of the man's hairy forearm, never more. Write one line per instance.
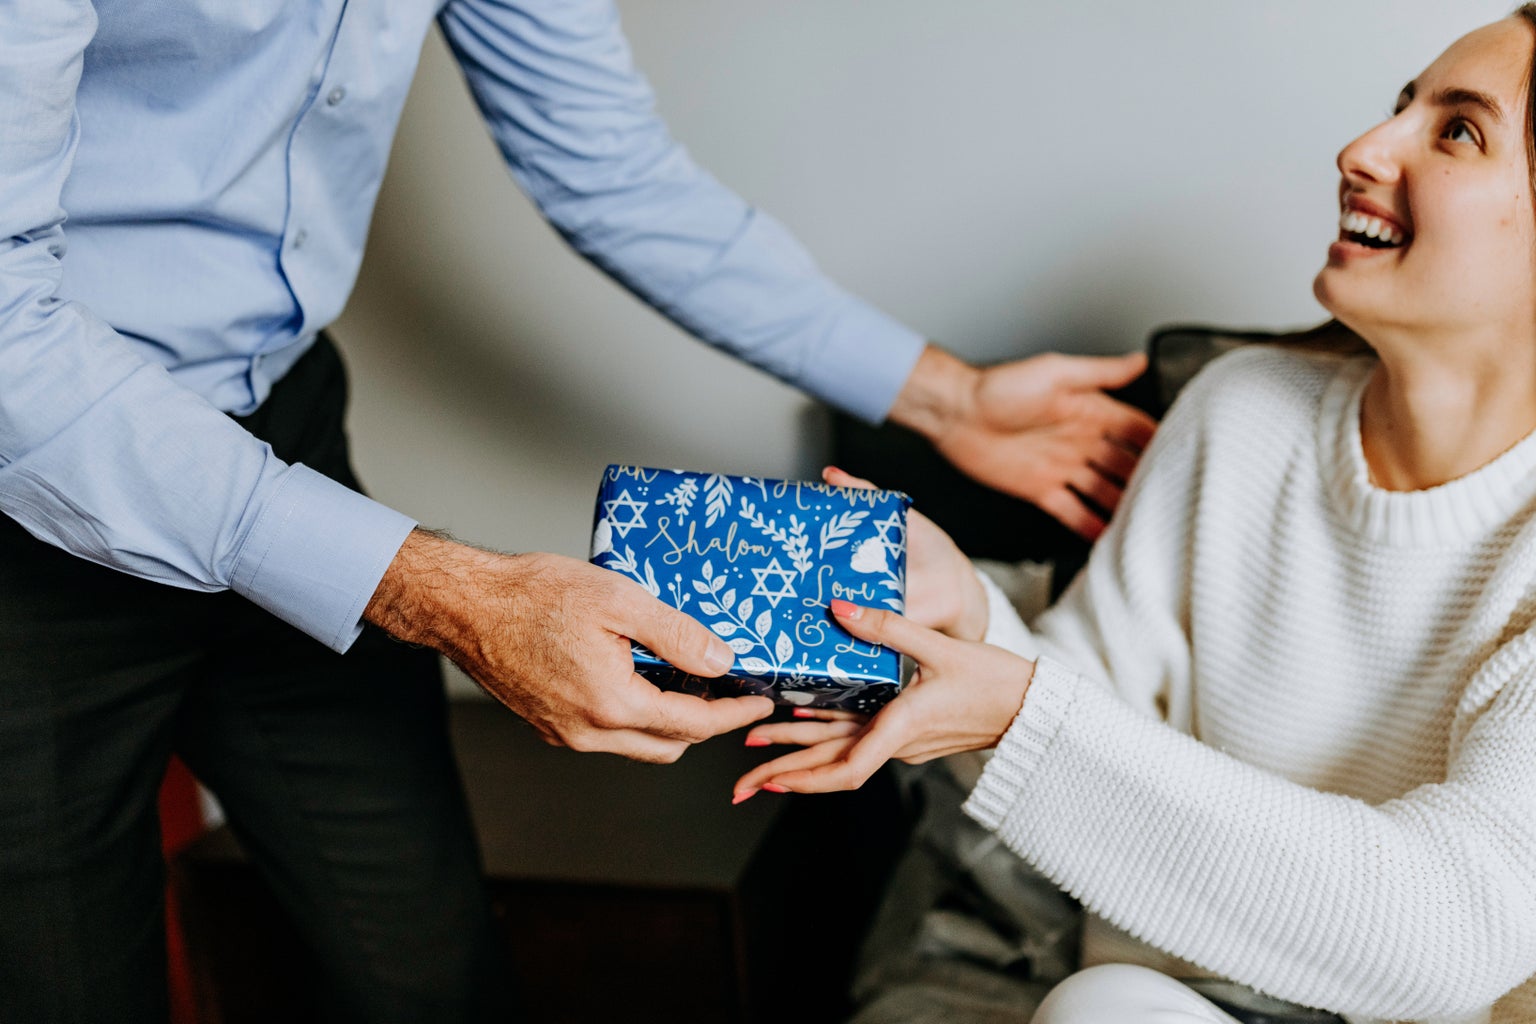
(424, 597)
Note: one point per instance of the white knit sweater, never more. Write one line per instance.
(1284, 724)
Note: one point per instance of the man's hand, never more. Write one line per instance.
(1041, 428)
(549, 637)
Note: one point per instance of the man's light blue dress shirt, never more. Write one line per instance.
(184, 194)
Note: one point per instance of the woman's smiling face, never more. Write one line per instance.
(1437, 226)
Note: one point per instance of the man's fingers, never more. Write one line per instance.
(891, 630)
(1128, 426)
(678, 639)
(1066, 507)
(631, 743)
(1112, 460)
(1097, 488)
(1104, 373)
(686, 717)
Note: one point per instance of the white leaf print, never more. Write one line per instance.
(783, 647)
(602, 538)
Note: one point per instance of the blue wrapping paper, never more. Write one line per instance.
(758, 561)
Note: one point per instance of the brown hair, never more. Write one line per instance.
(1528, 12)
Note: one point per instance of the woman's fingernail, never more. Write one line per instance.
(757, 741)
(845, 609)
(774, 787)
(742, 794)
(803, 713)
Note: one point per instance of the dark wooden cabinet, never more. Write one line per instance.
(625, 892)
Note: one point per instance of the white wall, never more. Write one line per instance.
(1007, 176)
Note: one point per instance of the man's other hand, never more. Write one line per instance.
(1041, 428)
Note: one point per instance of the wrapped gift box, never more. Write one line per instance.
(758, 561)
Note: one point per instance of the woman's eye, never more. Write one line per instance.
(1460, 131)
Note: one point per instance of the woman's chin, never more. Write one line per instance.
(1358, 320)
(1326, 295)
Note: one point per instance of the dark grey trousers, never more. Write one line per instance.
(334, 771)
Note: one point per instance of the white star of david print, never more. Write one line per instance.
(786, 579)
(884, 528)
(636, 518)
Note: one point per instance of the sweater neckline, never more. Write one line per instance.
(1455, 512)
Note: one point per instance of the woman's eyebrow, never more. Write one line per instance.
(1457, 97)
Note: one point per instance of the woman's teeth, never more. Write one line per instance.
(1372, 231)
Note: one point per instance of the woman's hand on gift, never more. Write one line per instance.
(963, 696)
(943, 592)
(1040, 428)
(548, 636)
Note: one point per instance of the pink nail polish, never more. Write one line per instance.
(757, 741)
(745, 794)
(774, 787)
(803, 713)
(845, 609)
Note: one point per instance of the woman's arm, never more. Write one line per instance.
(1409, 908)
(1420, 907)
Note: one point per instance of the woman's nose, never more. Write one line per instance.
(1373, 156)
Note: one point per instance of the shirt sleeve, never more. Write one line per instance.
(101, 452)
(577, 125)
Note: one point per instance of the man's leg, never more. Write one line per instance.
(337, 777)
(336, 773)
(92, 666)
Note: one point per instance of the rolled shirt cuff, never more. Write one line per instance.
(866, 364)
(316, 555)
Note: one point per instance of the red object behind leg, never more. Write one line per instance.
(181, 821)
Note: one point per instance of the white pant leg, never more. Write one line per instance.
(1124, 994)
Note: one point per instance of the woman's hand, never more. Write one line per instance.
(962, 697)
(943, 592)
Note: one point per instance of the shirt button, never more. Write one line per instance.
(299, 238)
(336, 95)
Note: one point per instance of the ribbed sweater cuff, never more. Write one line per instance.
(1052, 692)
